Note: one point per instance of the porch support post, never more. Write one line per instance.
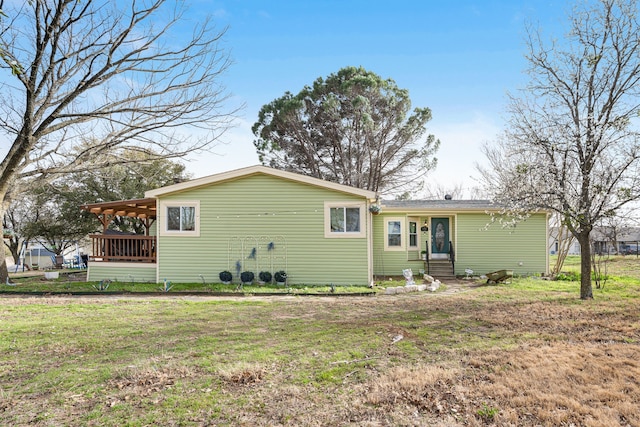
(105, 220)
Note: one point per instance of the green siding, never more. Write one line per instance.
(251, 212)
(477, 247)
(135, 272)
(522, 249)
(391, 263)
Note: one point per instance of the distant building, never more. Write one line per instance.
(604, 240)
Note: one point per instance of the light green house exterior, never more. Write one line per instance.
(122, 272)
(478, 244)
(262, 219)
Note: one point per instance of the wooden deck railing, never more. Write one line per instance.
(123, 248)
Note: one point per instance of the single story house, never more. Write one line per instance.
(263, 219)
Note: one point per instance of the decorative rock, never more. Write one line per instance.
(411, 288)
(428, 278)
(434, 286)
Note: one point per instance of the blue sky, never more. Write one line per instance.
(458, 58)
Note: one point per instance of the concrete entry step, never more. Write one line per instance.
(441, 269)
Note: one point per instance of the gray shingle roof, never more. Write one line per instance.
(439, 204)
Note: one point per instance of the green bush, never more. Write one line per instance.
(265, 276)
(280, 276)
(225, 276)
(571, 276)
(247, 277)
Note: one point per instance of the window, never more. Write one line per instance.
(180, 218)
(395, 234)
(344, 220)
(413, 234)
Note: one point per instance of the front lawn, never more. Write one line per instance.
(615, 265)
(529, 352)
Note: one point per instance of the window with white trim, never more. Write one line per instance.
(344, 220)
(180, 218)
(413, 234)
(394, 233)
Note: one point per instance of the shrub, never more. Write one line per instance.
(280, 276)
(570, 276)
(265, 276)
(247, 277)
(226, 276)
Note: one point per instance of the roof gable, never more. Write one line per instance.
(257, 170)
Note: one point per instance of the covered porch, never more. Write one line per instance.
(113, 246)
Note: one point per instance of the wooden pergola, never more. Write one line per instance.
(111, 246)
(143, 209)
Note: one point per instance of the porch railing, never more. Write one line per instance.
(122, 248)
(427, 268)
(452, 257)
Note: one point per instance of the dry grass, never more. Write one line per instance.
(559, 384)
(505, 355)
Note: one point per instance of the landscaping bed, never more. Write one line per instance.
(74, 283)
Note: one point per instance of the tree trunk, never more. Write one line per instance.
(14, 248)
(586, 290)
(4, 272)
(564, 238)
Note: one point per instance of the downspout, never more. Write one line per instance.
(158, 223)
(370, 242)
(546, 242)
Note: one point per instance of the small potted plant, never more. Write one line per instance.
(375, 209)
(247, 277)
(280, 277)
(423, 254)
(226, 277)
(264, 277)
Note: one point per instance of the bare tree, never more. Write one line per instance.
(14, 223)
(99, 74)
(438, 191)
(561, 239)
(572, 143)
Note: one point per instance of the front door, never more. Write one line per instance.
(439, 237)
